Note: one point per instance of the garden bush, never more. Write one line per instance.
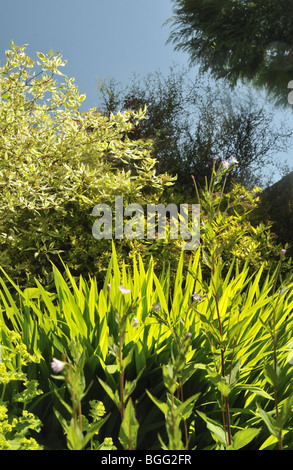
(150, 348)
(56, 164)
(199, 360)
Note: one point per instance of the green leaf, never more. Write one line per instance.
(94, 429)
(235, 329)
(113, 395)
(206, 259)
(112, 368)
(41, 55)
(224, 388)
(168, 377)
(286, 411)
(234, 376)
(131, 385)
(127, 360)
(184, 409)
(160, 404)
(129, 428)
(270, 422)
(215, 428)
(220, 382)
(271, 375)
(244, 437)
(75, 438)
(256, 390)
(208, 326)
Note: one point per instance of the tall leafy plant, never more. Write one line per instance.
(226, 314)
(56, 164)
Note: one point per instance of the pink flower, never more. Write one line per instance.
(124, 290)
(197, 297)
(57, 366)
(283, 251)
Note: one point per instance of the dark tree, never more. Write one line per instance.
(192, 120)
(276, 206)
(239, 39)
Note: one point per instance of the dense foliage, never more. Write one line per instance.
(152, 347)
(148, 364)
(250, 41)
(56, 164)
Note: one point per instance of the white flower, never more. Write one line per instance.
(135, 323)
(197, 297)
(225, 164)
(57, 365)
(124, 290)
(234, 160)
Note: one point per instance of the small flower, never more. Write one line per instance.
(234, 160)
(124, 290)
(108, 286)
(241, 196)
(156, 307)
(57, 365)
(197, 297)
(135, 323)
(214, 158)
(225, 164)
(283, 251)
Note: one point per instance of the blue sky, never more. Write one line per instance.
(98, 38)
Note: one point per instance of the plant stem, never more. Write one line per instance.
(121, 376)
(226, 400)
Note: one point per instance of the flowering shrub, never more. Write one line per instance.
(56, 164)
(227, 227)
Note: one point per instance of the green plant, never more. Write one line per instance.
(175, 409)
(225, 319)
(56, 164)
(122, 395)
(18, 425)
(14, 431)
(228, 233)
(79, 432)
(212, 398)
